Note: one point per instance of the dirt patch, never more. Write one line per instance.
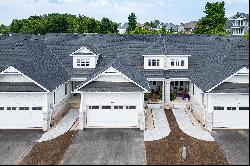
(49, 152)
(168, 151)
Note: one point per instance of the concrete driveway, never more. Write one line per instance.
(234, 145)
(106, 146)
(15, 144)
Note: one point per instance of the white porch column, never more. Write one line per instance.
(141, 116)
(167, 91)
(163, 91)
(45, 113)
(82, 115)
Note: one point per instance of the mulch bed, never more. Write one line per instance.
(168, 151)
(49, 152)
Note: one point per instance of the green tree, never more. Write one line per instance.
(163, 30)
(246, 35)
(214, 22)
(4, 29)
(131, 22)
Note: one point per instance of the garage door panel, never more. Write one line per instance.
(112, 118)
(233, 119)
(21, 119)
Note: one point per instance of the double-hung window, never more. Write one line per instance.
(177, 62)
(82, 62)
(154, 62)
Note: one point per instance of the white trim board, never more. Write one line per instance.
(104, 72)
(225, 80)
(14, 69)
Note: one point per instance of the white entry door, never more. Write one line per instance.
(112, 116)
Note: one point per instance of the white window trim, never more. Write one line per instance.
(156, 61)
(177, 62)
(82, 62)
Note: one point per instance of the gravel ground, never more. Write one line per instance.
(168, 151)
(49, 152)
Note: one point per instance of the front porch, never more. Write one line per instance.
(168, 90)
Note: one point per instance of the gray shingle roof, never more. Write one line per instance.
(122, 65)
(34, 59)
(98, 86)
(213, 58)
(20, 87)
(229, 87)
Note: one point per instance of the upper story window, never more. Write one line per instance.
(153, 62)
(177, 62)
(82, 62)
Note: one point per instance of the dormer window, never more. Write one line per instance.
(177, 62)
(153, 62)
(84, 58)
(83, 62)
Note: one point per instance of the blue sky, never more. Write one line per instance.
(175, 11)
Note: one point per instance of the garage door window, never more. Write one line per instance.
(1, 108)
(118, 107)
(130, 107)
(106, 107)
(231, 108)
(243, 108)
(94, 107)
(218, 108)
(24, 108)
(37, 108)
(11, 108)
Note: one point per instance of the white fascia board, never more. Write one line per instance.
(104, 72)
(178, 79)
(154, 55)
(78, 79)
(72, 54)
(28, 78)
(79, 55)
(156, 79)
(224, 80)
(132, 80)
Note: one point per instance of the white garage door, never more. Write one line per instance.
(231, 117)
(112, 116)
(21, 117)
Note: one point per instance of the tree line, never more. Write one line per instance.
(60, 23)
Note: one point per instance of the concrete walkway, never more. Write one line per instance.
(65, 124)
(161, 127)
(186, 125)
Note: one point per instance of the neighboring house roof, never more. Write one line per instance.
(238, 15)
(169, 26)
(229, 87)
(20, 87)
(213, 58)
(98, 86)
(190, 25)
